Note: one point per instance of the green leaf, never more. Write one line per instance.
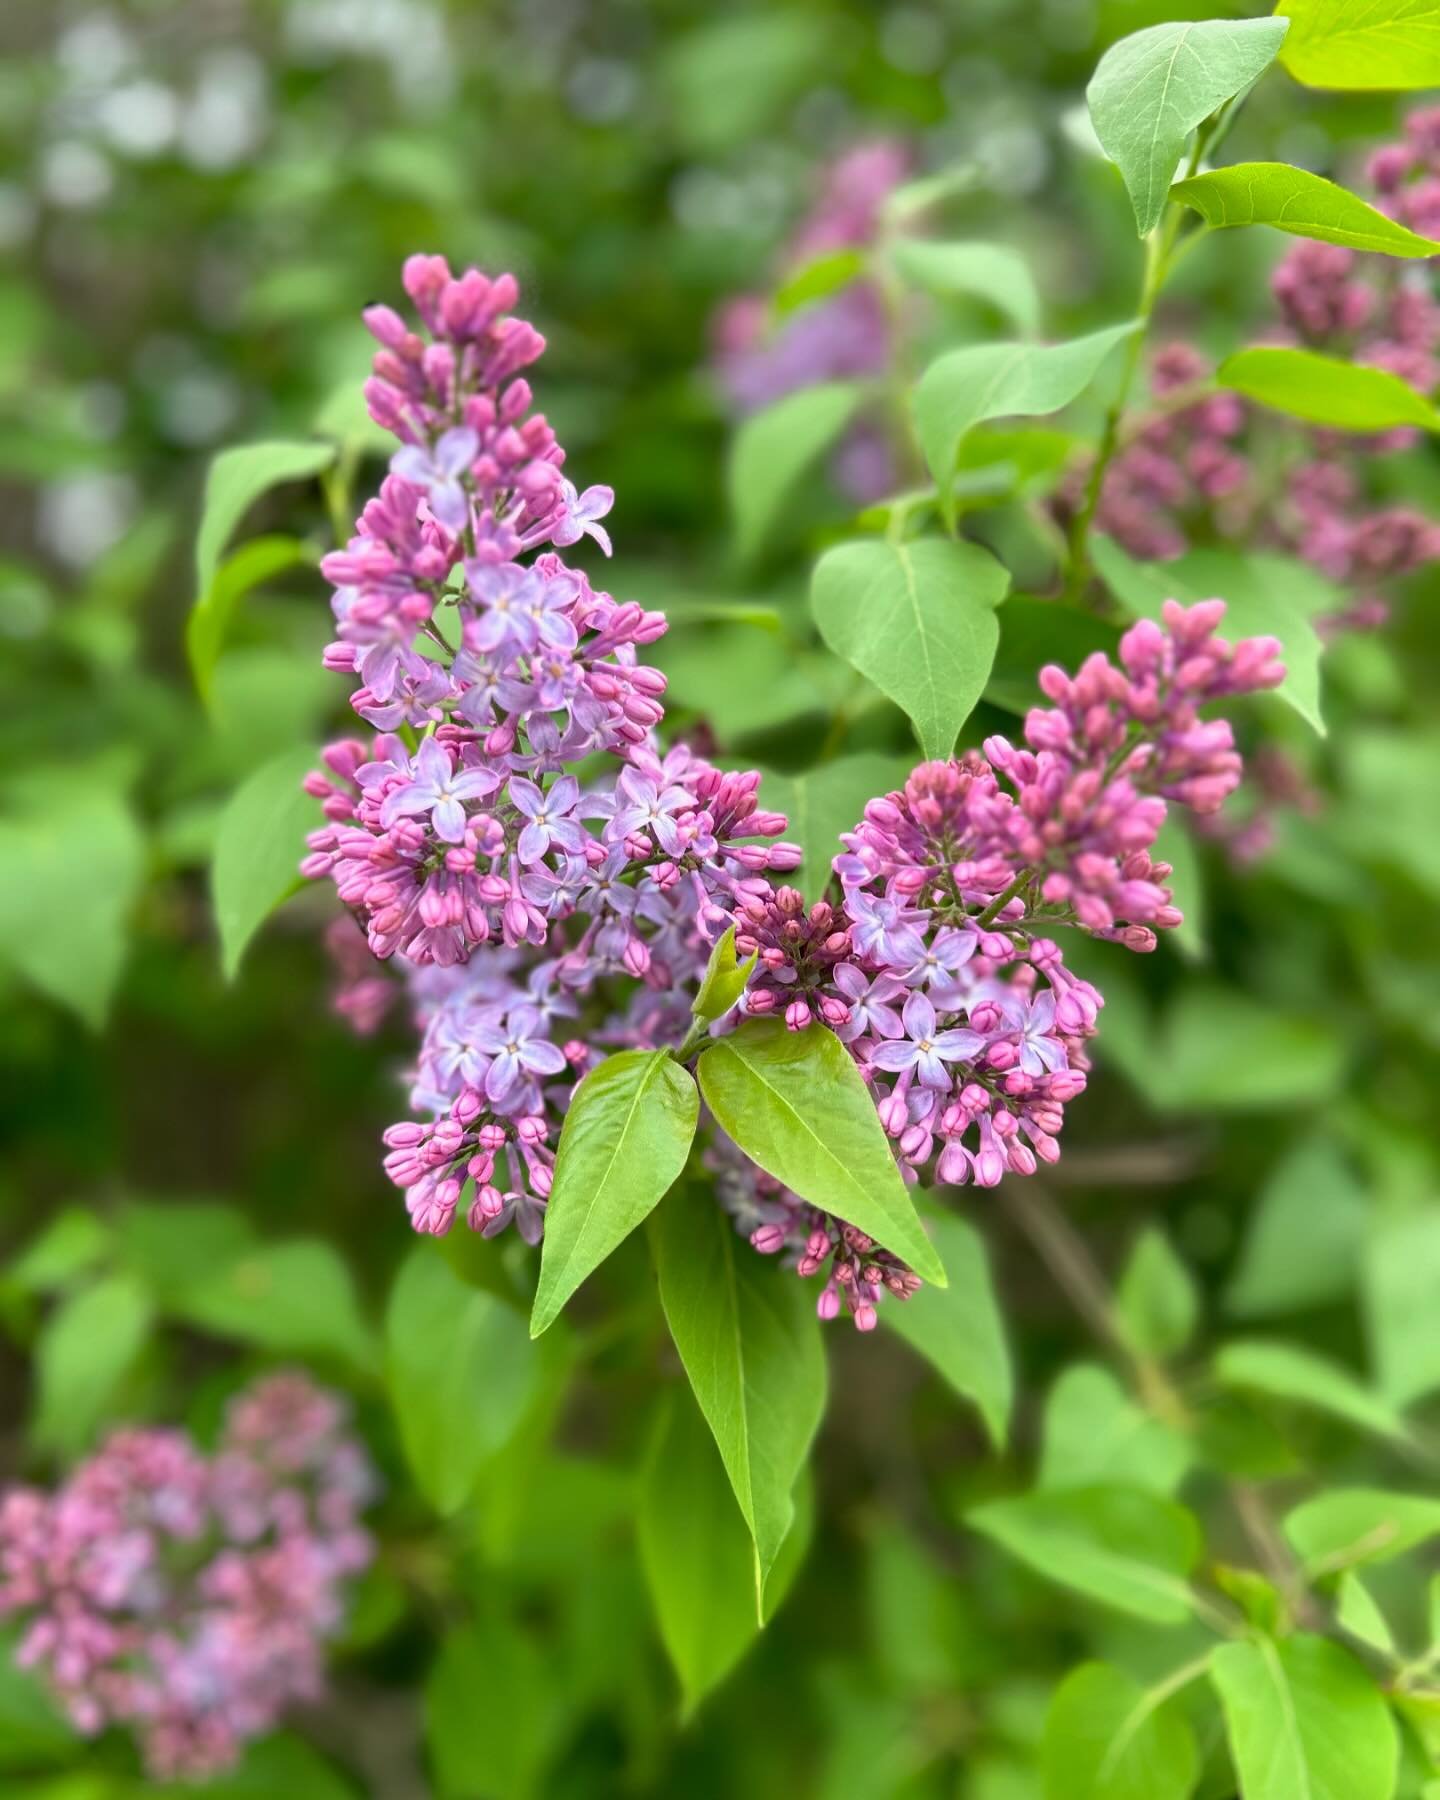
(1153, 88)
(68, 1247)
(216, 605)
(70, 872)
(626, 1137)
(1128, 1549)
(1288, 1372)
(724, 983)
(1296, 201)
(1385, 44)
(85, 1350)
(1324, 390)
(1357, 1611)
(999, 381)
(775, 449)
(1094, 1434)
(177, 1244)
(1400, 1275)
(958, 1329)
(819, 279)
(237, 479)
(990, 272)
(259, 845)
(796, 1104)
(1302, 1244)
(1219, 1048)
(1352, 1526)
(1036, 632)
(918, 620)
(1107, 1738)
(698, 1558)
(748, 1337)
(33, 1731)
(1305, 1722)
(461, 1371)
(822, 802)
(1175, 845)
(1157, 1304)
(492, 1711)
(295, 1296)
(1259, 592)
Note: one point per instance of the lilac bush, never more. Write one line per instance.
(188, 1596)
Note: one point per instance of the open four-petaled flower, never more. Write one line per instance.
(517, 1047)
(440, 789)
(438, 470)
(924, 1049)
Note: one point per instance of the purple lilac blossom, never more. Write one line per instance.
(189, 1597)
(1193, 469)
(845, 336)
(543, 921)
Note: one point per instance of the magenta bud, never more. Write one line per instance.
(767, 1239)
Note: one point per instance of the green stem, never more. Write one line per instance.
(993, 911)
(694, 1038)
(1159, 261)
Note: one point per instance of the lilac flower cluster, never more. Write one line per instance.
(936, 966)
(847, 335)
(188, 1597)
(545, 916)
(1188, 471)
(466, 823)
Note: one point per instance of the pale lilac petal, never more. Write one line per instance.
(449, 820)
(895, 1056)
(455, 450)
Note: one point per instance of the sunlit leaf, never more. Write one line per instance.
(461, 1371)
(1152, 89)
(958, 1329)
(1289, 1372)
(773, 450)
(259, 845)
(991, 272)
(1324, 390)
(797, 1105)
(1385, 44)
(748, 1337)
(1303, 1718)
(1107, 1738)
(625, 1140)
(84, 1352)
(723, 983)
(917, 619)
(1349, 1527)
(965, 387)
(237, 479)
(1126, 1548)
(1296, 201)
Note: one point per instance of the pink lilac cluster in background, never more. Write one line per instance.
(1198, 468)
(186, 1596)
(844, 336)
(548, 908)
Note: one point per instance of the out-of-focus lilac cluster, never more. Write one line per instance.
(1194, 470)
(188, 1597)
(937, 967)
(468, 822)
(847, 335)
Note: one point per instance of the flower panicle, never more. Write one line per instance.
(188, 1597)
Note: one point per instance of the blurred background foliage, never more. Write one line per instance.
(195, 200)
